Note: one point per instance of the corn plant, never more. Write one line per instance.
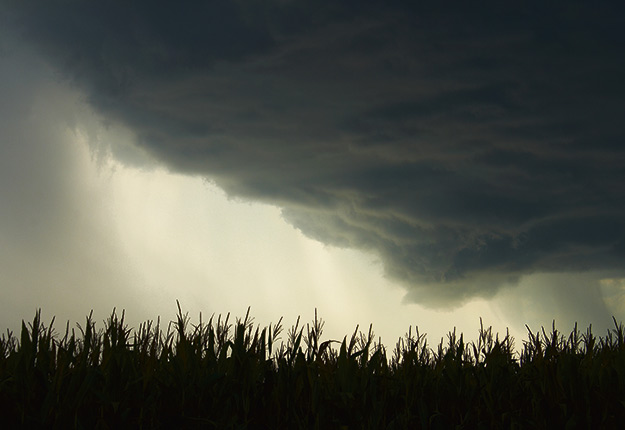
(223, 374)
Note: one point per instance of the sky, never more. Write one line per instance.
(381, 162)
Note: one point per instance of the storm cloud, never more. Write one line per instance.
(466, 146)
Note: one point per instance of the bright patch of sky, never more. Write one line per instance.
(188, 241)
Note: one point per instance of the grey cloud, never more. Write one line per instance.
(566, 298)
(466, 147)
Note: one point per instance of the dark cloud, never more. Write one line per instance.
(467, 146)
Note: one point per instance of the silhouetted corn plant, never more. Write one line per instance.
(219, 374)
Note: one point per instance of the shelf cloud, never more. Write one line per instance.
(467, 147)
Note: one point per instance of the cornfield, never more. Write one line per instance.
(224, 375)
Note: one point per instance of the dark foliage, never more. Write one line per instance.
(227, 376)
